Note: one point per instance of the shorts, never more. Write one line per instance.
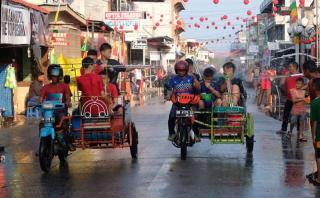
(298, 118)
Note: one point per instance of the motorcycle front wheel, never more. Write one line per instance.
(46, 153)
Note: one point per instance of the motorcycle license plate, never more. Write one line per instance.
(184, 113)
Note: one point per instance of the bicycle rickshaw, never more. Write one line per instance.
(94, 125)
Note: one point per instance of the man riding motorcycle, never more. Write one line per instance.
(52, 90)
(181, 83)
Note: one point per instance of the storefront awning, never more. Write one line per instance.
(162, 42)
(97, 25)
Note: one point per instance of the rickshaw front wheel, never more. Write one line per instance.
(134, 143)
(249, 144)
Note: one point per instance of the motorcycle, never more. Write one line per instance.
(52, 139)
(184, 120)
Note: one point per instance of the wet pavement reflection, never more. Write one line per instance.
(277, 167)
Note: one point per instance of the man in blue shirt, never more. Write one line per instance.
(181, 83)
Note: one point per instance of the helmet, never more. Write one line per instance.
(189, 61)
(181, 65)
(55, 70)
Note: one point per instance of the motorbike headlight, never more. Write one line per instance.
(47, 106)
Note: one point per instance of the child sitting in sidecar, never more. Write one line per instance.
(209, 90)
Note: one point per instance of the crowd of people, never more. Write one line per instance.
(300, 86)
(98, 78)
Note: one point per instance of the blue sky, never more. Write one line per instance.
(206, 8)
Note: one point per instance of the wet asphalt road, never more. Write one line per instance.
(277, 167)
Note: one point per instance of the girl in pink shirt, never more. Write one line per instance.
(298, 112)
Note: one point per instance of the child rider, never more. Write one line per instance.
(181, 83)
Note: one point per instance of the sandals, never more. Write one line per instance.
(312, 178)
(302, 139)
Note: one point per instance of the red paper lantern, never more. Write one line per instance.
(225, 17)
(150, 17)
(301, 3)
(275, 2)
(157, 24)
(208, 27)
(135, 26)
(224, 27)
(253, 17)
(213, 23)
(121, 27)
(201, 19)
(238, 18)
(161, 20)
(189, 26)
(148, 14)
(161, 15)
(215, 1)
(170, 22)
(229, 23)
(246, 2)
(191, 18)
(249, 12)
(179, 22)
(274, 9)
(154, 27)
(103, 28)
(177, 17)
(206, 18)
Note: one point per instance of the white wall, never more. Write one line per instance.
(93, 9)
(155, 9)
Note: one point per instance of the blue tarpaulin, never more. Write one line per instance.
(5, 93)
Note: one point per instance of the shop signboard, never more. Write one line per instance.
(39, 28)
(139, 44)
(273, 45)
(59, 39)
(15, 25)
(124, 21)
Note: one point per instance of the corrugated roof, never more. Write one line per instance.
(30, 5)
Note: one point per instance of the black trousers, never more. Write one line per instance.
(286, 114)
